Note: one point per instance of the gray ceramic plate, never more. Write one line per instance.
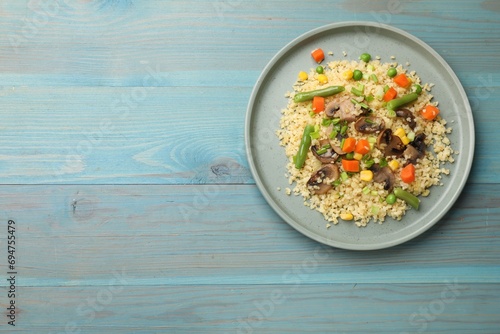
(267, 158)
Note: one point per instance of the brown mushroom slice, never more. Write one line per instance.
(317, 184)
(384, 175)
(411, 154)
(369, 124)
(338, 150)
(384, 138)
(407, 115)
(329, 156)
(390, 144)
(416, 149)
(419, 142)
(344, 109)
(331, 108)
(395, 147)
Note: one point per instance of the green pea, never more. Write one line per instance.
(365, 57)
(319, 69)
(357, 75)
(391, 199)
(391, 73)
(416, 88)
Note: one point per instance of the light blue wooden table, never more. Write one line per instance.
(122, 164)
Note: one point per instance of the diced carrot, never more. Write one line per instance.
(430, 112)
(318, 55)
(390, 94)
(350, 165)
(362, 146)
(402, 80)
(318, 104)
(349, 145)
(408, 173)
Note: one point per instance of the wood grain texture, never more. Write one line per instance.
(80, 235)
(122, 160)
(302, 308)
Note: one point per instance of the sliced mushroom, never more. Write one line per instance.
(407, 115)
(419, 142)
(317, 184)
(342, 108)
(390, 144)
(384, 138)
(411, 154)
(369, 124)
(338, 150)
(366, 111)
(383, 175)
(416, 148)
(329, 156)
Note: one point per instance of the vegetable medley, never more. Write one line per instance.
(364, 139)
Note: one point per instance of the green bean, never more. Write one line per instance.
(391, 73)
(396, 103)
(305, 143)
(323, 149)
(364, 105)
(324, 92)
(326, 121)
(390, 199)
(407, 197)
(365, 57)
(343, 129)
(356, 91)
(357, 75)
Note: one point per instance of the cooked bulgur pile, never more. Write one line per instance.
(360, 153)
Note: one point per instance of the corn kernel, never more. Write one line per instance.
(405, 140)
(393, 164)
(346, 216)
(322, 79)
(400, 132)
(366, 175)
(357, 156)
(347, 75)
(303, 76)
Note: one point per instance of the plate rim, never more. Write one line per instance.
(265, 192)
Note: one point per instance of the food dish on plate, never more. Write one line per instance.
(363, 138)
(267, 159)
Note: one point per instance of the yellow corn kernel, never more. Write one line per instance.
(322, 79)
(366, 175)
(346, 216)
(303, 76)
(405, 140)
(393, 164)
(357, 156)
(347, 75)
(400, 132)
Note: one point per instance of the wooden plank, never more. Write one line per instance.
(121, 135)
(58, 46)
(225, 234)
(162, 135)
(450, 306)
